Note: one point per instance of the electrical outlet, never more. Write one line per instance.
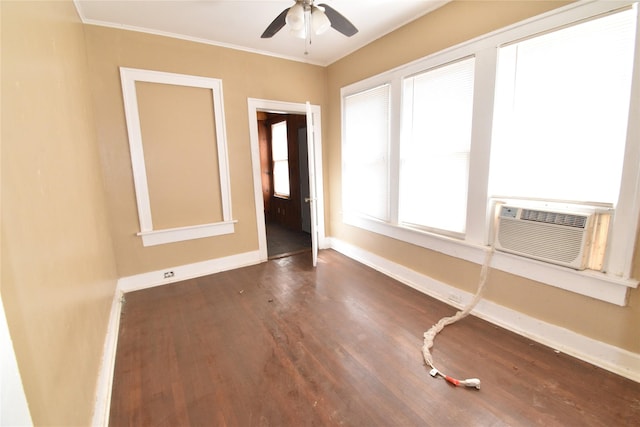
(168, 274)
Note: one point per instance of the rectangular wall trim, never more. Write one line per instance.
(154, 236)
(159, 237)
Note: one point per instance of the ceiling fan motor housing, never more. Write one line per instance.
(304, 14)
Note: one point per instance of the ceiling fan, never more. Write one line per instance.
(304, 17)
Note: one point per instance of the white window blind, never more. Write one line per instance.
(366, 153)
(280, 157)
(561, 112)
(434, 155)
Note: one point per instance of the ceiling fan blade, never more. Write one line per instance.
(276, 25)
(338, 21)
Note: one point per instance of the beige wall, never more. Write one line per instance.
(176, 165)
(63, 123)
(452, 24)
(244, 75)
(58, 269)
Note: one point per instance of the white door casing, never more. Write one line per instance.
(313, 201)
(315, 165)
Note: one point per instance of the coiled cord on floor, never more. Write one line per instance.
(430, 335)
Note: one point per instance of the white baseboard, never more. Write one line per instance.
(105, 376)
(188, 271)
(606, 356)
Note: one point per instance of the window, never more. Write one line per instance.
(546, 110)
(561, 111)
(280, 158)
(434, 156)
(366, 152)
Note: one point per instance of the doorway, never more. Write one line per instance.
(314, 170)
(284, 170)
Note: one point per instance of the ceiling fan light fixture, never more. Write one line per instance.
(295, 17)
(319, 20)
(301, 33)
(304, 19)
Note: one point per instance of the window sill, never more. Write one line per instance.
(611, 289)
(170, 235)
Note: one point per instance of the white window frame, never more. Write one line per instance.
(149, 235)
(459, 234)
(611, 286)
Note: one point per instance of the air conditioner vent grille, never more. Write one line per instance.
(541, 241)
(558, 218)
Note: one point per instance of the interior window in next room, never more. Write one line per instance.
(280, 158)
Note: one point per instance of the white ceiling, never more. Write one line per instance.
(238, 24)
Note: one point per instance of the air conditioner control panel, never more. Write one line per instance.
(508, 212)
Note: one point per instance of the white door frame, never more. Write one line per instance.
(270, 106)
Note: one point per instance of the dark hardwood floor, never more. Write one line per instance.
(283, 242)
(283, 344)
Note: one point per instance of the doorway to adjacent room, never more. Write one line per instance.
(284, 169)
(285, 141)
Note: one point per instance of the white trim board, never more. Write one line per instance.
(150, 236)
(254, 105)
(188, 271)
(102, 404)
(606, 356)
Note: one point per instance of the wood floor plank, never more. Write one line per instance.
(283, 344)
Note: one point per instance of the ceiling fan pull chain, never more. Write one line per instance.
(307, 30)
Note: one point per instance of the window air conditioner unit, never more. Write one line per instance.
(571, 239)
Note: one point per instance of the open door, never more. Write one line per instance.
(313, 201)
(314, 146)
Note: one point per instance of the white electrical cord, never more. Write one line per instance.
(430, 335)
